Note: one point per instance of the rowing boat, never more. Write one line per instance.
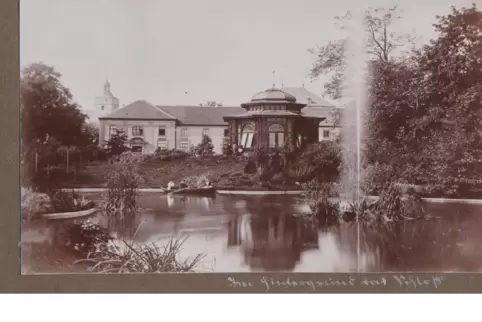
(70, 215)
(191, 191)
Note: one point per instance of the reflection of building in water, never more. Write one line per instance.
(272, 242)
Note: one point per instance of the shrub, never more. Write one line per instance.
(205, 147)
(375, 177)
(85, 238)
(250, 167)
(320, 160)
(301, 173)
(117, 143)
(197, 181)
(128, 157)
(394, 205)
(130, 257)
(226, 146)
(69, 201)
(234, 178)
(170, 155)
(34, 203)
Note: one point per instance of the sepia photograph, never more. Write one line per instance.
(212, 136)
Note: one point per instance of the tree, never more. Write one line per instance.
(425, 117)
(381, 43)
(90, 134)
(205, 147)
(452, 65)
(117, 143)
(211, 104)
(48, 110)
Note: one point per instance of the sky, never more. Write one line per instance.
(189, 51)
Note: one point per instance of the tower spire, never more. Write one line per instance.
(107, 86)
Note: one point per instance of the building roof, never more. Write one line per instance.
(139, 110)
(278, 113)
(273, 94)
(201, 115)
(327, 112)
(213, 116)
(304, 96)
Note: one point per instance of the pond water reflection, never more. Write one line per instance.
(267, 233)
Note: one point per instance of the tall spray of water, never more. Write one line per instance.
(354, 100)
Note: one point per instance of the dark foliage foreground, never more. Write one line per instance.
(100, 253)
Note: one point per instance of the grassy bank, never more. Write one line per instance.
(224, 172)
(154, 173)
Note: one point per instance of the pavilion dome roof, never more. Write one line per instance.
(273, 94)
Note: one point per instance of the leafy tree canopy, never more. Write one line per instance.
(48, 110)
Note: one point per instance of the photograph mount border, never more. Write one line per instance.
(11, 280)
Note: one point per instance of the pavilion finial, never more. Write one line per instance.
(274, 79)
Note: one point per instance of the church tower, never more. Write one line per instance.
(107, 103)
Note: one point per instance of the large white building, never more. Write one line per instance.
(150, 126)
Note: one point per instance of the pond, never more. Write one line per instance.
(266, 233)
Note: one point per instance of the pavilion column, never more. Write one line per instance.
(290, 135)
(316, 131)
(233, 131)
(259, 128)
(264, 133)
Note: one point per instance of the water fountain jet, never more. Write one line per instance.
(354, 98)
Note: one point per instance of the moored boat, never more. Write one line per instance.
(70, 215)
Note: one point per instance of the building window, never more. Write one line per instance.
(276, 136)
(326, 134)
(247, 136)
(112, 130)
(137, 148)
(161, 131)
(184, 131)
(184, 146)
(162, 144)
(226, 132)
(102, 107)
(206, 132)
(137, 131)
